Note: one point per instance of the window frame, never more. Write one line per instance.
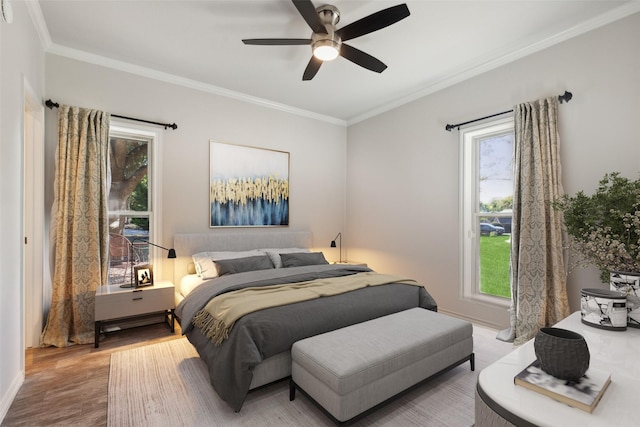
(154, 180)
(469, 208)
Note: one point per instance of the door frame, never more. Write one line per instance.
(33, 259)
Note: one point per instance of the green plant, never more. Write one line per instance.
(605, 227)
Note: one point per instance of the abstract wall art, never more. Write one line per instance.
(248, 186)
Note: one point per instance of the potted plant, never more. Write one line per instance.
(605, 227)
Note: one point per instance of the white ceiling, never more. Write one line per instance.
(198, 44)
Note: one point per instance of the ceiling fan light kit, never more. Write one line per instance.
(327, 42)
(326, 50)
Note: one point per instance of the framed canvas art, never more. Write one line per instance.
(248, 186)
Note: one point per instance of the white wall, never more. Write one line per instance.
(21, 57)
(317, 149)
(402, 166)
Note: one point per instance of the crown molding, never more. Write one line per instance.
(38, 21)
(91, 58)
(482, 66)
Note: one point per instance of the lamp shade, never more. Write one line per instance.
(172, 252)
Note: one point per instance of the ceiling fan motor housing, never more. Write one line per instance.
(329, 14)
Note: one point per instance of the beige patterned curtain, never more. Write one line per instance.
(79, 223)
(538, 279)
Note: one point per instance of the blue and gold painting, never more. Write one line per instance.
(248, 186)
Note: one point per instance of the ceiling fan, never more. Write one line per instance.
(327, 42)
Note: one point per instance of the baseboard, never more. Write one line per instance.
(10, 395)
(472, 319)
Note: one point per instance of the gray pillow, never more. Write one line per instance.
(300, 259)
(240, 265)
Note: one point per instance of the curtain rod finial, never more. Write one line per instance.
(565, 97)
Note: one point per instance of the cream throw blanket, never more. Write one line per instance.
(217, 318)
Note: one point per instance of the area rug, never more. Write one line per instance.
(167, 384)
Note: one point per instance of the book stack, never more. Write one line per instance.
(583, 394)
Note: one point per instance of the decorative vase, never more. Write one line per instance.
(562, 353)
(628, 284)
(604, 309)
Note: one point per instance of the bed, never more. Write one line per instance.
(255, 349)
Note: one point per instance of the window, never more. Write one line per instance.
(133, 198)
(487, 202)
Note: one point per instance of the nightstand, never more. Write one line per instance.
(116, 304)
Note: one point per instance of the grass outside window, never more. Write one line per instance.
(494, 265)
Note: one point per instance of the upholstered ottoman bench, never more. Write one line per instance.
(351, 370)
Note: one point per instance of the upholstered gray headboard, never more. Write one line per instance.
(191, 243)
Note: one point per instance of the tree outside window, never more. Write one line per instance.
(129, 205)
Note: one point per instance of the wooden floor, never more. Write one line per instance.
(68, 386)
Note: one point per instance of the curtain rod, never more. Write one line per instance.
(49, 103)
(565, 97)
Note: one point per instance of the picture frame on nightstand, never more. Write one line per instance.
(143, 275)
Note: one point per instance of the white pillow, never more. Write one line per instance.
(274, 254)
(189, 283)
(205, 261)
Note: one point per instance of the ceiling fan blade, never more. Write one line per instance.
(312, 68)
(276, 42)
(308, 12)
(361, 58)
(374, 22)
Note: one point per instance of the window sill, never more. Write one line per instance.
(488, 300)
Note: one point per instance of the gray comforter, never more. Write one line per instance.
(268, 332)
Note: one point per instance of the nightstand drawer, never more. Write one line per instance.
(133, 303)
